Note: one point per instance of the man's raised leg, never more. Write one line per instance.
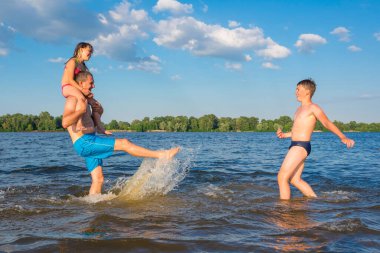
(133, 149)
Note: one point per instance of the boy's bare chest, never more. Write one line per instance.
(302, 114)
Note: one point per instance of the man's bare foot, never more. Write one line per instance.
(170, 153)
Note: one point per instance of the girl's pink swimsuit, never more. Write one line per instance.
(79, 67)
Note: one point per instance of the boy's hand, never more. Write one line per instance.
(280, 134)
(348, 142)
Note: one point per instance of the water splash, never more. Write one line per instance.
(92, 199)
(155, 177)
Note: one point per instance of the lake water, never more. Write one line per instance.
(223, 196)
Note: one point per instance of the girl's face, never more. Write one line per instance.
(85, 53)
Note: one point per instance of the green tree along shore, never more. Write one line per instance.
(207, 123)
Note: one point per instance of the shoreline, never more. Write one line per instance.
(164, 131)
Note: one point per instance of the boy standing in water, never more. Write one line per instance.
(304, 122)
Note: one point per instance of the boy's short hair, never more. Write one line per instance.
(82, 76)
(308, 84)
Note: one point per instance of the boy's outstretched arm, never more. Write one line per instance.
(283, 135)
(321, 116)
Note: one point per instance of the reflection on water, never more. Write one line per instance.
(292, 216)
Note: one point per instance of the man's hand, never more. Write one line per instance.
(348, 142)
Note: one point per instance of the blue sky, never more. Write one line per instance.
(166, 57)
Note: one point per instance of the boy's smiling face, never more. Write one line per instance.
(301, 93)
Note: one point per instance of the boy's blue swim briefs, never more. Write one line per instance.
(304, 144)
(94, 149)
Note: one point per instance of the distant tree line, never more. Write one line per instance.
(25, 123)
(211, 123)
(207, 123)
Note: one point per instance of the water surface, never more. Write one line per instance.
(227, 201)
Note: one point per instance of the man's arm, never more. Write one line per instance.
(321, 116)
(70, 114)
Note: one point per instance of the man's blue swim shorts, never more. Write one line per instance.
(94, 149)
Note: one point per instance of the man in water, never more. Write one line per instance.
(94, 148)
(305, 119)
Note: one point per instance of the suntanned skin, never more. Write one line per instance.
(78, 116)
(305, 119)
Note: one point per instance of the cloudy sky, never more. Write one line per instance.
(167, 57)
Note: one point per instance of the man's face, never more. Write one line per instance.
(89, 83)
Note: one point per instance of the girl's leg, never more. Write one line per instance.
(97, 111)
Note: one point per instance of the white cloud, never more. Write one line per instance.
(147, 65)
(233, 65)
(155, 58)
(247, 58)
(125, 26)
(102, 19)
(377, 36)
(269, 65)
(354, 48)
(124, 14)
(6, 36)
(50, 21)
(201, 39)
(342, 32)
(116, 33)
(273, 50)
(175, 77)
(233, 24)
(173, 7)
(3, 51)
(119, 45)
(307, 42)
(57, 60)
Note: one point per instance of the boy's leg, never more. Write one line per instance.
(301, 185)
(295, 157)
(132, 149)
(97, 181)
